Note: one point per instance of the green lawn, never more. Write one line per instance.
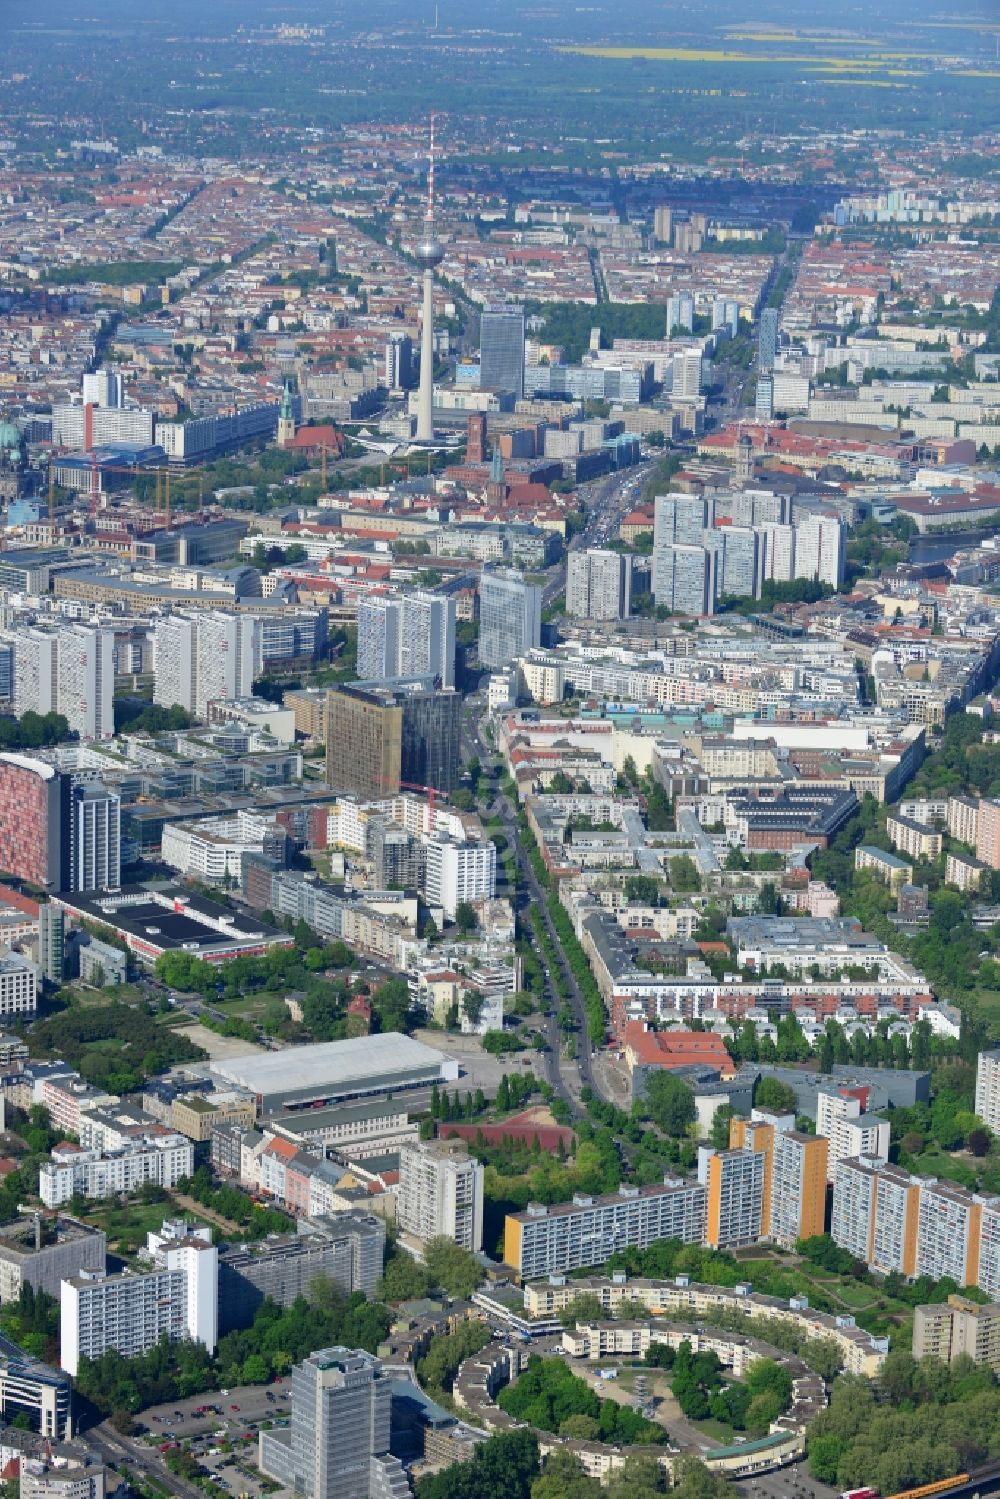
(128, 1223)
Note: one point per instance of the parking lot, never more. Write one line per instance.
(218, 1419)
(479, 1069)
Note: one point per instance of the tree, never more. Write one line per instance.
(506, 1464)
(563, 1477)
(452, 1268)
(775, 1096)
(465, 918)
(582, 1309)
(403, 1279)
(669, 1102)
(684, 876)
(719, 1133)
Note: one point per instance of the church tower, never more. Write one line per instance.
(286, 419)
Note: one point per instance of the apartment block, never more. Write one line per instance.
(988, 1089)
(852, 1221)
(949, 1223)
(960, 1326)
(798, 1186)
(569, 1236)
(964, 872)
(441, 1193)
(988, 833)
(598, 585)
(913, 838)
(131, 1312)
(347, 1248)
(889, 868)
(962, 819)
(849, 1132)
(734, 1182)
(73, 1171)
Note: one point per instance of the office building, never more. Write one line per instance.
(849, 1132)
(680, 313)
(958, 1327)
(398, 367)
(65, 1472)
(379, 736)
(501, 345)
(33, 812)
(686, 371)
(767, 344)
(347, 1248)
(510, 616)
(407, 635)
(441, 1193)
(95, 837)
(337, 1443)
(51, 942)
(598, 585)
(763, 400)
(132, 1311)
(571, 1235)
(75, 1172)
(988, 1089)
(458, 871)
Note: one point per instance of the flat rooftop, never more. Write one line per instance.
(334, 1065)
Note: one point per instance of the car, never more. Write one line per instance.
(234, 1407)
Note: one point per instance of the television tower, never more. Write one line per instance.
(429, 253)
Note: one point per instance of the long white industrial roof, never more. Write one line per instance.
(335, 1063)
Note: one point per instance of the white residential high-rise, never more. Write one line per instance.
(406, 635)
(132, 1311)
(206, 657)
(35, 684)
(988, 1089)
(850, 1133)
(85, 678)
(819, 549)
(104, 388)
(175, 644)
(510, 616)
(378, 636)
(677, 519)
(441, 1193)
(687, 578)
(459, 871)
(737, 549)
(777, 552)
(680, 312)
(598, 585)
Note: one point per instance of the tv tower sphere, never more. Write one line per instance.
(430, 251)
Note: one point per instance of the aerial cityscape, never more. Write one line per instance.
(499, 782)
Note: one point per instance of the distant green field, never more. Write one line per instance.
(115, 272)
